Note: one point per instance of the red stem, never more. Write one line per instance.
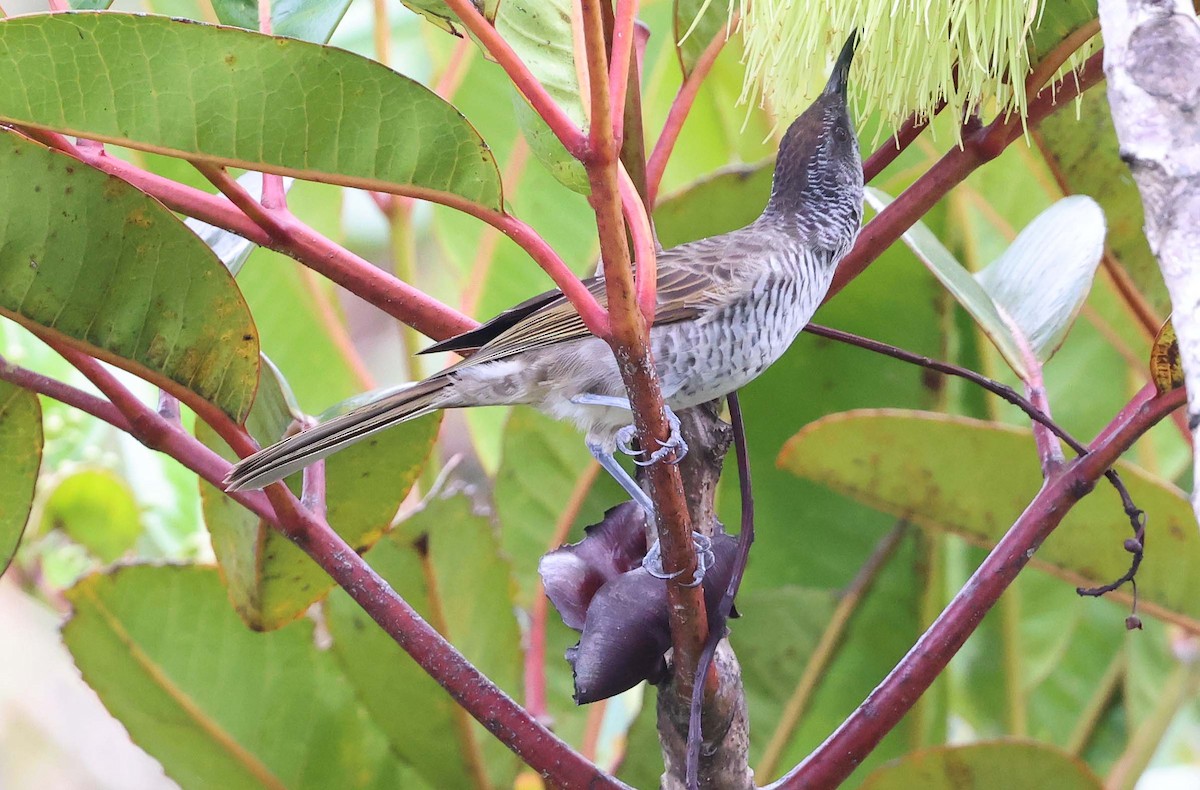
(629, 343)
(842, 752)
(141, 422)
(644, 252)
(621, 60)
(571, 136)
(680, 107)
(895, 145)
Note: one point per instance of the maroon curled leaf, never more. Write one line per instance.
(600, 588)
(573, 574)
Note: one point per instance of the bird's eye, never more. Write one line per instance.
(839, 133)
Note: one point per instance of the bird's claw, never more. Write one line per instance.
(674, 443)
(705, 559)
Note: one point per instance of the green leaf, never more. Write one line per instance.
(309, 20)
(445, 561)
(97, 510)
(726, 200)
(88, 258)
(910, 464)
(20, 459)
(216, 704)
(697, 22)
(998, 765)
(959, 282)
(1087, 160)
(271, 581)
(239, 98)
(540, 32)
(1042, 279)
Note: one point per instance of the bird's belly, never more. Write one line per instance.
(702, 360)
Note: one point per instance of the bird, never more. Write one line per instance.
(727, 307)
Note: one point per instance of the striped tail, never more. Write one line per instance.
(281, 459)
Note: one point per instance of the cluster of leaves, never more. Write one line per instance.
(840, 586)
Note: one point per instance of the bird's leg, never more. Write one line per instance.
(675, 440)
(609, 462)
(652, 562)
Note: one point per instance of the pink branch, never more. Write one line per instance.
(842, 752)
(396, 298)
(564, 128)
(127, 413)
(594, 316)
(64, 393)
(680, 107)
(264, 17)
(619, 63)
(643, 243)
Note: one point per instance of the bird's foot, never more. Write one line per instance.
(705, 559)
(674, 443)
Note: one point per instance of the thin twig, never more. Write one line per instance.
(1137, 517)
(629, 343)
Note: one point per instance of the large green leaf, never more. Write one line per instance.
(445, 562)
(20, 458)
(239, 98)
(87, 257)
(996, 765)
(271, 581)
(911, 464)
(216, 704)
(310, 20)
(540, 32)
(96, 509)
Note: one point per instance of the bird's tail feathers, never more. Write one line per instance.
(292, 454)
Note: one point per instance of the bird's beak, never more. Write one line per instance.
(840, 77)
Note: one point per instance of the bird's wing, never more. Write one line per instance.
(686, 285)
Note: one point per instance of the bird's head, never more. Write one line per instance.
(818, 173)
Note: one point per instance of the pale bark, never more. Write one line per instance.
(1152, 62)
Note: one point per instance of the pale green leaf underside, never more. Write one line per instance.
(217, 704)
(910, 464)
(959, 282)
(1043, 278)
(20, 458)
(239, 98)
(89, 257)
